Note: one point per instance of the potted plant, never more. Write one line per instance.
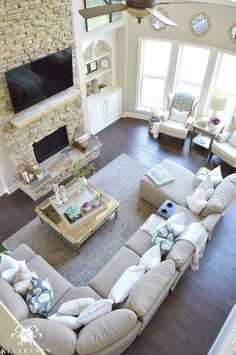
(80, 174)
(39, 172)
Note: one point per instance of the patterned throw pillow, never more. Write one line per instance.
(165, 238)
(40, 296)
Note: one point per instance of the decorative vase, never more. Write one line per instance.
(213, 128)
(82, 183)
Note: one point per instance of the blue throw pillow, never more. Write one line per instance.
(40, 296)
(165, 237)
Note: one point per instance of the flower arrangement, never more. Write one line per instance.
(77, 172)
(214, 121)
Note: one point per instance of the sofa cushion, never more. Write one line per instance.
(55, 338)
(103, 282)
(105, 330)
(150, 287)
(23, 252)
(180, 253)
(46, 271)
(175, 191)
(14, 302)
(139, 242)
(75, 293)
(224, 193)
(197, 201)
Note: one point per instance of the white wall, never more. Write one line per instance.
(222, 18)
(7, 181)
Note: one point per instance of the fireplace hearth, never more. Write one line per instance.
(51, 144)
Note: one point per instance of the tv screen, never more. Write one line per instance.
(38, 80)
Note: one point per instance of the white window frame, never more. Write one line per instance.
(140, 74)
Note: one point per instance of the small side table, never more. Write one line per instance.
(204, 136)
(167, 209)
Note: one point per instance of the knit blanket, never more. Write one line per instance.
(197, 235)
(159, 175)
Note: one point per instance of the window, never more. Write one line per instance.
(192, 64)
(225, 80)
(154, 60)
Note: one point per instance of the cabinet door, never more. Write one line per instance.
(114, 106)
(98, 116)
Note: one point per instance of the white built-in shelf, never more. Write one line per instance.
(99, 54)
(95, 74)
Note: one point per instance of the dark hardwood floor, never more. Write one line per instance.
(190, 318)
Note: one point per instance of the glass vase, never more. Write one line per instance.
(82, 183)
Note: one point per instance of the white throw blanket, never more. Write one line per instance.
(155, 129)
(197, 235)
(159, 175)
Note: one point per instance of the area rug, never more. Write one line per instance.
(120, 179)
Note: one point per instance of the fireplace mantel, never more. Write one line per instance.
(24, 118)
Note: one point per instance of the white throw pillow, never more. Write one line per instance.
(216, 176)
(95, 310)
(232, 139)
(22, 280)
(152, 224)
(9, 267)
(177, 223)
(197, 201)
(207, 186)
(69, 321)
(75, 307)
(151, 258)
(122, 288)
(178, 116)
(201, 175)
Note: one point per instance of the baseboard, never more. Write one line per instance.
(12, 188)
(139, 116)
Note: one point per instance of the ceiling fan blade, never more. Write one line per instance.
(101, 10)
(161, 17)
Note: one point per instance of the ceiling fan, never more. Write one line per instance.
(136, 8)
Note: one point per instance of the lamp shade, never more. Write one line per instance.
(218, 101)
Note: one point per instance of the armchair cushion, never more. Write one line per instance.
(174, 129)
(225, 151)
(179, 116)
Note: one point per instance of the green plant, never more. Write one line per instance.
(39, 170)
(77, 172)
(3, 252)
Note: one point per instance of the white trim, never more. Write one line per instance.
(139, 116)
(12, 188)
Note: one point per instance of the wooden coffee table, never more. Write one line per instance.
(75, 233)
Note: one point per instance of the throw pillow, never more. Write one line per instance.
(152, 224)
(178, 116)
(122, 288)
(151, 258)
(232, 139)
(201, 175)
(69, 321)
(22, 280)
(177, 223)
(40, 296)
(207, 186)
(75, 307)
(9, 267)
(197, 201)
(95, 310)
(164, 238)
(216, 176)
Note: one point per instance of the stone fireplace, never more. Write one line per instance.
(32, 30)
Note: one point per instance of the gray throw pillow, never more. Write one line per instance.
(165, 237)
(40, 296)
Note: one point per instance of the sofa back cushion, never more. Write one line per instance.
(13, 301)
(150, 287)
(105, 330)
(55, 337)
(224, 193)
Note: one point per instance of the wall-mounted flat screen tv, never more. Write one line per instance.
(40, 79)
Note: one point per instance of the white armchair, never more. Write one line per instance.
(177, 117)
(222, 146)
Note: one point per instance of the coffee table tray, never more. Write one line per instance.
(79, 198)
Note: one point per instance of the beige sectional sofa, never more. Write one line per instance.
(112, 333)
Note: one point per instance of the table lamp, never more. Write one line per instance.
(218, 101)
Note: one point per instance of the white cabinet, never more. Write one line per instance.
(105, 108)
